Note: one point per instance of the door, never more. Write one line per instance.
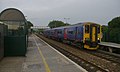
(76, 33)
(65, 33)
(94, 34)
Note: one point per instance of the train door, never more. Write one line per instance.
(56, 33)
(78, 33)
(87, 33)
(65, 33)
(93, 33)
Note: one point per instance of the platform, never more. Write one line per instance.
(109, 44)
(40, 57)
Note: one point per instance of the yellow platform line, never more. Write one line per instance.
(45, 63)
(43, 58)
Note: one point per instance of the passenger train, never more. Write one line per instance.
(84, 35)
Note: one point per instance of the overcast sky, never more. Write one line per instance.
(41, 12)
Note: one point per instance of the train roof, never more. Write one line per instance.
(78, 24)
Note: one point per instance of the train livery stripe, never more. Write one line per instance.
(43, 58)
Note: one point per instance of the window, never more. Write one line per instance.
(59, 32)
(98, 29)
(78, 31)
(71, 32)
(87, 29)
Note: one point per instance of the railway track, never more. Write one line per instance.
(113, 58)
(89, 66)
(91, 61)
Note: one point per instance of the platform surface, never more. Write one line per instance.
(110, 44)
(40, 57)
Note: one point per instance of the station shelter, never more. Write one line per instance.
(16, 39)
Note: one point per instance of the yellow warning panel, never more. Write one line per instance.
(93, 34)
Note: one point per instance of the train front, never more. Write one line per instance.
(92, 36)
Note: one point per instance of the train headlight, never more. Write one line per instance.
(98, 38)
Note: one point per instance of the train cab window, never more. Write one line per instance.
(98, 29)
(87, 29)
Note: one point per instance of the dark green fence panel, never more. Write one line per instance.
(111, 36)
(105, 37)
(118, 38)
(15, 46)
(1, 41)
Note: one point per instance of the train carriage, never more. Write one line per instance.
(86, 35)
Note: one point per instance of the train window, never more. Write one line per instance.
(78, 31)
(59, 32)
(98, 29)
(71, 32)
(86, 28)
(52, 33)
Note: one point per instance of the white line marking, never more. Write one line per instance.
(65, 57)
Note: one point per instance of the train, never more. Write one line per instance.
(85, 35)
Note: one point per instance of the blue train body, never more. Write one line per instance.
(79, 35)
(83, 34)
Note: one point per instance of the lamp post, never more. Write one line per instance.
(66, 19)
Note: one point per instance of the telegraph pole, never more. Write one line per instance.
(66, 19)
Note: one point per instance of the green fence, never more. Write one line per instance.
(15, 45)
(111, 37)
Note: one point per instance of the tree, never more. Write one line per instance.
(56, 23)
(104, 28)
(114, 23)
(114, 30)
